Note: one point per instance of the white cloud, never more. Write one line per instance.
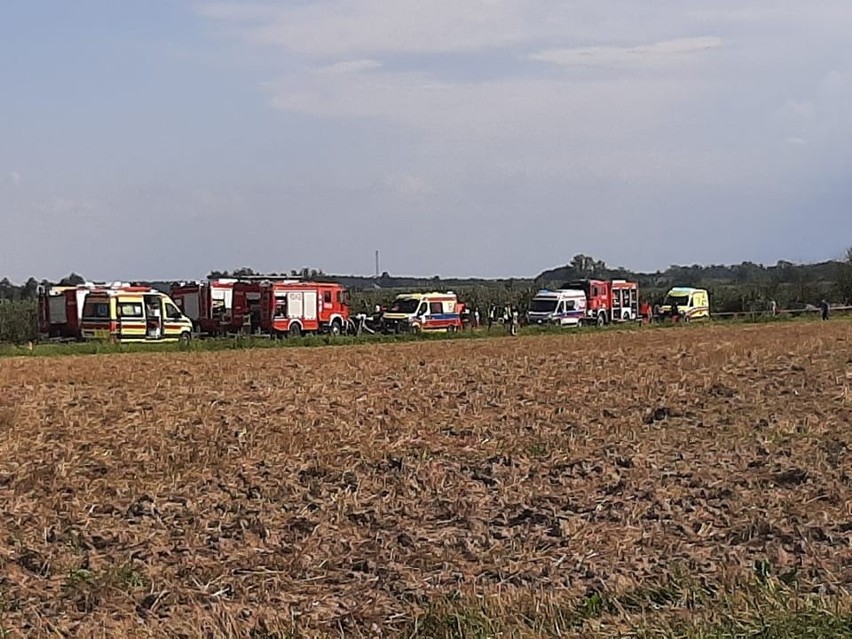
(337, 74)
(480, 104)
(511, 108)
(366, 28)
(350, 66)
(645, 55)
(15, 178)
(356, 27)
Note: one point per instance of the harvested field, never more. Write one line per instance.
(681, 480)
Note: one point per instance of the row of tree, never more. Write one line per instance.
(736, 288)
(28, 290)
(794, 284)
(733, 288)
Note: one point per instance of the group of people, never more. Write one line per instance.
(650, 314)
(507, 315)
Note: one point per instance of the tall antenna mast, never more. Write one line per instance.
(377, 263)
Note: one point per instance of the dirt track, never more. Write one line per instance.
(344, 489)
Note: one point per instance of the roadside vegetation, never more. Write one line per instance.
(242, 342)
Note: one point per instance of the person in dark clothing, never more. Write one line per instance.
(823, 310)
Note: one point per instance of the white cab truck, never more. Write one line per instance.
(562, 307)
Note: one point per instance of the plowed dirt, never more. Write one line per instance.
(345, 490)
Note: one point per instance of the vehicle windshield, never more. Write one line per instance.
(96, 309)
(680, 300)
(542, 306)
(407, 306)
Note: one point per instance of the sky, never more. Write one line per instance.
(166, 138)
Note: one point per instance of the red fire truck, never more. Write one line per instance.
(290, 307)
(60, 308)
(608, 301)
(208, 304)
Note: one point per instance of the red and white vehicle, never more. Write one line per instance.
(208, 304)
(290, 307)
(609, 301)
(60, 308)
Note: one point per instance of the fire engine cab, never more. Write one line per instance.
(290, 307)
(208, 304)
(609, 301)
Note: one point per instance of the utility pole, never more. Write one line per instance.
(377, 264)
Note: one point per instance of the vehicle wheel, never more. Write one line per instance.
(295, 331)
(185, 338)
(601, 319)
(335, 328)
(452, 328)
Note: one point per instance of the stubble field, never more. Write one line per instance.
(689, 481)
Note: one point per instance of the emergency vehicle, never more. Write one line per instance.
(290, 307)
(208, 304)
(424, 312)
(609, 301)
(692, 303)
(133, 314)
(563, 307)
(60, 308)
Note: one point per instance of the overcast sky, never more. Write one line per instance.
(480, 137)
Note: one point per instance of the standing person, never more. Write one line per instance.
(823, 309)
(511, 318)
(675, 312)
(476, 317)
(656, 313)
(491, 312)
(773, 306)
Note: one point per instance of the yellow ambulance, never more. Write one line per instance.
(692, 303)
(133, 314)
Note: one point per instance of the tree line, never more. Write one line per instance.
(737, 288)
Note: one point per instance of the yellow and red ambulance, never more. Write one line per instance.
(133, 314)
